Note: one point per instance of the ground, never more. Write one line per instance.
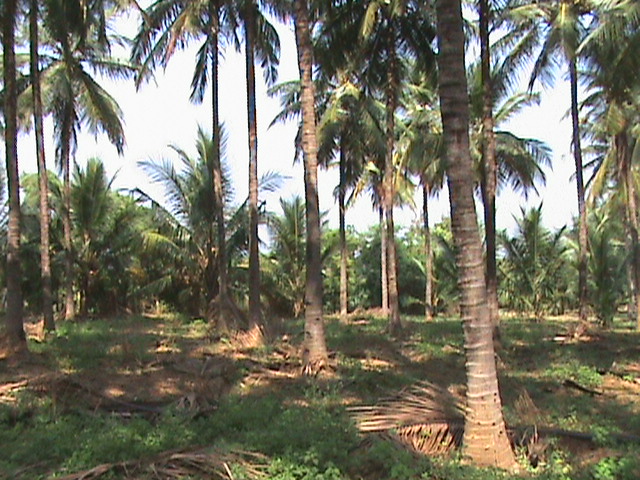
(130, 389)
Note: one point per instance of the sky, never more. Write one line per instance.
(159, 114)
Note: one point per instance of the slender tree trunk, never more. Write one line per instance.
(315, 349)
(384, 267)
(15, 328)
(490, 167)
(70, 309)
(395, 324)
(45, 254)
(227, 306)
(428, 265)
(624, 157)
(344, 251)
(582, 208)
(255, 314)
(485, 440)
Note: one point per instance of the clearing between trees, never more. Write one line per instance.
(162, 398)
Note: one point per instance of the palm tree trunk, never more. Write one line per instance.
(69, 310)
(624, 156)
(255, 314)
(384, 268)
(485, 439)
(428, 264)
(344, 252)
(228, 310)
(315, 350)
(45, 254)
(395, 324)
(15, 328)
(489, 161)
(582, 209)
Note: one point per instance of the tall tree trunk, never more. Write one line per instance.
(582, 208)
(69, 306)
(45, 254)
(344, 251)
(428, 264)
(255, 314)
(15, 328)
(228, 310)
(315, 350)
(489, 164)
(384, 267)
(395, 324)
(624, 158)
(485, 440)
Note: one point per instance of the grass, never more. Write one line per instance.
(255, 400)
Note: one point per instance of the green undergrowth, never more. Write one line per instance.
(303, 426)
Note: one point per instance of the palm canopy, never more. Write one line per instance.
(551, 30)
(71, 93)
(520, 160)
(171, 25)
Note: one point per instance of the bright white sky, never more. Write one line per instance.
(160, 114)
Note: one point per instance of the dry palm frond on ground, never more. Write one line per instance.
(210, 463)
(425, 418)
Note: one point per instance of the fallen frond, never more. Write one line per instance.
(210, 463)
(424, 418)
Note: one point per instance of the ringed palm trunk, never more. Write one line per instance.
(315, 350)
(428, 265)
(255, 315)
(45, 255)
(395, 324)
(384, 267)
(344, 252)
(485, 440)
(15, 328)
(489, 163)
(582, 209)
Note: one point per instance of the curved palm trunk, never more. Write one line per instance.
(15, 328)
(255, 314)
(384, 268)
(45, 254)
(428, 265)
(395, 324)
(489, 162)
(344, 251)
(315, 349)
(582, 209)
(485, 439)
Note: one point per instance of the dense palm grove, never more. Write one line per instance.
(383, 95)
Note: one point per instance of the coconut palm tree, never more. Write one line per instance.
(76, 100)
(559, 27)
(261, 42)
(612, 109)
(315, 354)
(187, 210)
(169, 25)
(485, 439)
(534, 265)
(15, 327)
(393, 30)
(38, 116)
(488, 159)
(420, 146)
